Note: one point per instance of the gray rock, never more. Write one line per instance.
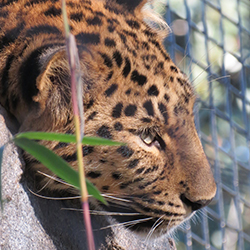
(19, 226)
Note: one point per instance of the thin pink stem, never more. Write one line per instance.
(87, 220)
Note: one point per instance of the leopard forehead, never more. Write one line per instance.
(135, 74)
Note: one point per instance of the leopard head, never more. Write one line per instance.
(135, 94)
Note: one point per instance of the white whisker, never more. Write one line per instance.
(47, 183)
(96, 212)
(199, 60)
(205, 90)
(195, 218)
(185, 55)
(203, 71)
(54, 198)
(157, 223)
(115, 198)
(170, 222)
(56, 179)
(121, 205)
(215, 79)
(203, 212)
(220, 77)
(128, 223)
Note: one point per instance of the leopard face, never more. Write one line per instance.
(133, 93)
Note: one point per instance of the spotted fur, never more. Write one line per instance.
(133, 93)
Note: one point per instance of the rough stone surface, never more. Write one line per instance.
(19, 227)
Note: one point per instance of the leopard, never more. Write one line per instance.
(132, 93)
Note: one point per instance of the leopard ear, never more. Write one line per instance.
(132, 5)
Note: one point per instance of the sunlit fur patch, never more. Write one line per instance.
(155, 21)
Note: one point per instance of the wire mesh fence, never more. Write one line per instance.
(210, 42)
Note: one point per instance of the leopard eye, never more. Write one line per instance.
(151, 138)
(147, 137)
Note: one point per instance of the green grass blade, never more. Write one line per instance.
(56, 164)
(94, 141)
(1, 161)
(52, 161)
(67, 138)
(92, 190)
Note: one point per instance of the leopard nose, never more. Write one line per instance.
(195, 205)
